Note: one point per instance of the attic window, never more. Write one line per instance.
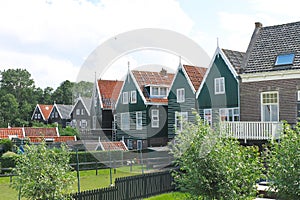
(285, 59)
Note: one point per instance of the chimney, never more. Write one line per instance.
(163, 72)
(258, 25)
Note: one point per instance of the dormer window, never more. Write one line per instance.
(158, 92)
(285, 59)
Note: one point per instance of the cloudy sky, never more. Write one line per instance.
(52, 38)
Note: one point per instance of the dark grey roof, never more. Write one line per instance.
(269, 42)
(235, 58)
(64, 110)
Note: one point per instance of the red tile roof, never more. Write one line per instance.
(114, 146)
(6, 132)
(46, 110)
(109, 91)
(30, 131)
(37, 139)
(161, 78)
(195, 74)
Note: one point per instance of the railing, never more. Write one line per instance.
(252, 130)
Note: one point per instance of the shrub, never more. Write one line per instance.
(6, 145)
(283, 161)
(214, 167)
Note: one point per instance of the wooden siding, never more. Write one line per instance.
(207, 98)
(189, 105)
(251, 99)
(80, 117)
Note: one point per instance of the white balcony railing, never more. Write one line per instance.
(252, 130)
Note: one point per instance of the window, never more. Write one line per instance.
(154, 118)
(139, 121)
(39, 116)
(52, 115)
(35, 116)
(133, 97)
(56, 114)
(208, 116)
(83, 123)
(229, 114)
(77, 111)
(129, 143)
(285, 59)
(94, 122)
(269, 106)
(219, 85)
(125, 123)
(180, 117)
(82, 111)
(139, 145)
(158, 91)
(180, 95)
(125, 98)
(298, 95)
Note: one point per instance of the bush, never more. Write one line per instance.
(214, 167)
(283, 161)
(6, 145)
(8, 160)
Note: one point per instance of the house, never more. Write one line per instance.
(105, 96)
(182, 96)
(41, 113)
(270, 87)
(218, 94)
(80, 113)
(60, 114)
(142, 107)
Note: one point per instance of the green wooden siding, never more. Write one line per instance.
(208, 99)
(189, 105)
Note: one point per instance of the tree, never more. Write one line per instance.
(9, 112)
(47, 96)
(63, 94)
(214, 167)
(6, 145)
(283, 161)
(83, 89)
(43, 173)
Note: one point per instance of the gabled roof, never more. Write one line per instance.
(38, 139)
(113, 146)
(269, 42)
(6, 133)
(64, 110)
(86, 102)
(45, 110)
(195, 75)
(109, 92)
(44, 132)
(144, 78)
(235, 58)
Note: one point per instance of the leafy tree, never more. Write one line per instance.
(214, 167)
(6, 145)
(68, 131)
(43, 173)
(83, 89)
(47, 96)
(9, 111)
(63, 94)
(283, 161)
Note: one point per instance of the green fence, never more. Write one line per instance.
(133, 187)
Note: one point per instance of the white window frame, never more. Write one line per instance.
(219, 85)
(82, 111)
(77, 111)
(269, 104)
(298, 95)
(207, 115)
(35, 116)
(180, 95)
(139, 120)
(125, 98)
(180, 117)
(129, 144)
(133, 96)
(159, 91)
(39, 116)
(125, 121)
(224, 114)
(83, 123)
(154, 118)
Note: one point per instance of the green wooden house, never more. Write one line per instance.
(218, 95)
(141, 109)
(182, 96)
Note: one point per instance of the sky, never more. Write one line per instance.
(52, 38)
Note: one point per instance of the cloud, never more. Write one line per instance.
(45, 70)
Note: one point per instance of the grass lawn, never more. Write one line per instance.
(88, 180)
(168, 196)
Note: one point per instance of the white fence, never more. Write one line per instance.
(252, 130)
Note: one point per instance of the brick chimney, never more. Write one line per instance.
(163, 72)
(258, 25)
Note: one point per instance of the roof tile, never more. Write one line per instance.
(195, 74)
(109, 91)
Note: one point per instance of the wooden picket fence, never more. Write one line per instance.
(133, 187)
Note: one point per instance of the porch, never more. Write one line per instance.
(252, 130)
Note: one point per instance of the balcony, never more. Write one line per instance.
(252, 130)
